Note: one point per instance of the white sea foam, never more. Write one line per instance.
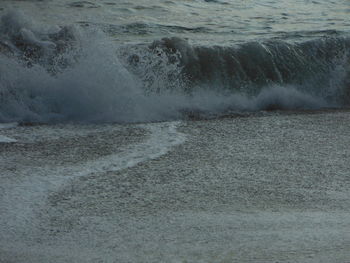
(75, 74)
(8, 125)
(4, 139)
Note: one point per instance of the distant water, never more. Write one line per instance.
(131, 61)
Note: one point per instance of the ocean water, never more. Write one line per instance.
(132, 61)
(174, 131)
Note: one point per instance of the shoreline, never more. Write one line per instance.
(237, 190)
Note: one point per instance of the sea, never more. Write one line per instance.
(174, 131)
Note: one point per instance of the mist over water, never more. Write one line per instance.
(99, 71)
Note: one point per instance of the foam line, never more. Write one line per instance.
(22, 196)
(8, 125)
(4, 139)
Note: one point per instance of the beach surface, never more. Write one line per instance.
(269, 187)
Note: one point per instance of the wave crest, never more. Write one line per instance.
(80, 74)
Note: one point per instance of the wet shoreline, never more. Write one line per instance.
(237, 189)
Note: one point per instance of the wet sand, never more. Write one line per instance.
(268, 188)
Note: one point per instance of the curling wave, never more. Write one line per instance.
(80, 74)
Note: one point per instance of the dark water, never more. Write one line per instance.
(151, 61)
(255, 186)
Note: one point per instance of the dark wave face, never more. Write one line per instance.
(72, 73)
(319, 67)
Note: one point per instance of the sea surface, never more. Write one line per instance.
(174, 131)
(132, 61)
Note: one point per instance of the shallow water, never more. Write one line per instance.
(247, 189)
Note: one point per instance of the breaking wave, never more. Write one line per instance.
(80, 74)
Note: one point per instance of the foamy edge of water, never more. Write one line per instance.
(21, 199)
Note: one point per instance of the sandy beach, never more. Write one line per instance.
(192, 131)
(267, 188)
